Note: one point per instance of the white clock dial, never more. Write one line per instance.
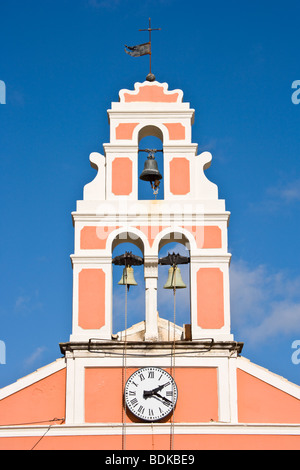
(150, 393)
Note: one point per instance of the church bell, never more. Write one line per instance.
(127, 277)
(150, 172)
(174, 279)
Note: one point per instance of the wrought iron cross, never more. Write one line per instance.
(150, 30)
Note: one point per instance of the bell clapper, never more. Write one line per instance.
(155, 187)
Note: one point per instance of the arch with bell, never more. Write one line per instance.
(151, 261)
(150, 140)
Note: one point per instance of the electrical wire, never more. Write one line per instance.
(124, 367)
(33, 422)
(177, 354)
(204, 350)
(35, 445)
(36, 422)
(172, 370)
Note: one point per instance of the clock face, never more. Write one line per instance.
(150, 393)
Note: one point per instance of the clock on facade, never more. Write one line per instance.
(150, 393)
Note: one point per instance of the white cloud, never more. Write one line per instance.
(28, 302)
(34, 357)
(287, 193)
(278, 197)
(282, 319)
(263, 304)
(22, 302)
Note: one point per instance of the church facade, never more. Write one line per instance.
(155, 385)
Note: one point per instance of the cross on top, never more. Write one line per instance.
(150, 30)
(143, 49)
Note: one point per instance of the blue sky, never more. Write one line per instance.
(63, 63)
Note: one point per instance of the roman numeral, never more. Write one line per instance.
(151, 375)
(142, 377)
(150, 411)
(141, 409)
(134, 402)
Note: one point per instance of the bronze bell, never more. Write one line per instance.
(174, 279)
(127, 278)
(150, 171)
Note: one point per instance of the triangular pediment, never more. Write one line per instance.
(165, 331)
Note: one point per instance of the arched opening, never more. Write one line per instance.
(174, 309)
(150, 137)
(135, 295)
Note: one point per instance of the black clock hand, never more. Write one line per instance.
(149, 393)
(163, 398)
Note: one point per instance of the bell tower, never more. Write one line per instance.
(189, 213)
(156, 385)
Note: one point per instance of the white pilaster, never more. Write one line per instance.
(151, 317)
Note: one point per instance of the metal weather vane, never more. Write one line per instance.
(143, 49)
